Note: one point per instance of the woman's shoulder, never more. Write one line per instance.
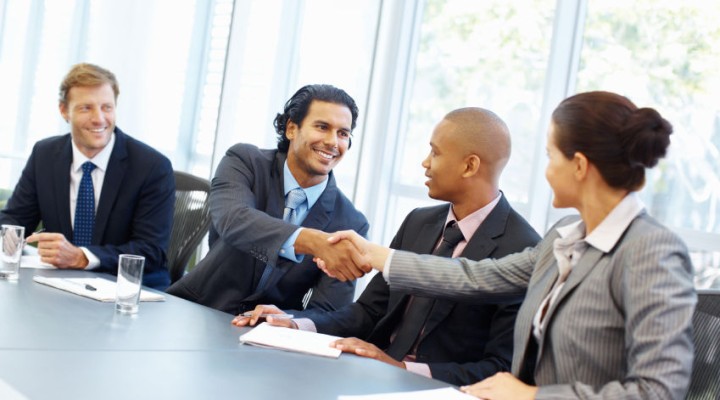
(648, 232)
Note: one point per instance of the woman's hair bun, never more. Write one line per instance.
(645, 137)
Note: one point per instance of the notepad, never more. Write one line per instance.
(105, 289)
(266, 335)
(432, 394)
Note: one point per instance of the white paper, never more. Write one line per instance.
(292, 340)
(105, 289)
(33, 261)
(433, 394)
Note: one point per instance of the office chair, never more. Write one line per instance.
(705, 380)
(191, 221)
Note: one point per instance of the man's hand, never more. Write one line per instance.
(265, 309)
(365, 349)
(54, 249)
(500, 386)
(342, 259)
(374, 255)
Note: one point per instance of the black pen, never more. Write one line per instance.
(249, 314)
(87, 286)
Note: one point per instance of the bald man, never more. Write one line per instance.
(454, 342)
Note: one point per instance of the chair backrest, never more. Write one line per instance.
(191, 221)
(705, 381)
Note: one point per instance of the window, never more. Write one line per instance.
(169, 66)
(216, 73)
(489, 54)
(280, 46)
(665, 55)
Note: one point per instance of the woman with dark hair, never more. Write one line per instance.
(609, 293)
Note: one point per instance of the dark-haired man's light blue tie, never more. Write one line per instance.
(85, 208)
(292, 201)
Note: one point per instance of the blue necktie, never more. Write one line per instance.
(294, 198)
(85, 208)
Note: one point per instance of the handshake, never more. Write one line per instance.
(343, 255)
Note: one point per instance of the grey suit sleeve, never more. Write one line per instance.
(460, 279)
(655, 290)
(233, 208)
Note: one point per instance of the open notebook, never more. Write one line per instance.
(104, 289)
(266, 335)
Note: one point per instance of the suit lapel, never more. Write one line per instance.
(480, 246)
(541, 282)
(276, 197)
(117, 166)
(61, 186)
(587, 262)
(591, 257)
(424, 242)
(320, 215)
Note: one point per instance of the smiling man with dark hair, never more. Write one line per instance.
(270, 211)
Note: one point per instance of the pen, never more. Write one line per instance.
(278, 316)
(87, 286)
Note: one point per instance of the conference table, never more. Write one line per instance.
(58, 345)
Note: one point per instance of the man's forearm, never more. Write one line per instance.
(310, 241)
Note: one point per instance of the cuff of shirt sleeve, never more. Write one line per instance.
(305, 324)
(287, 250)
(93, 261)
(386, 267)
(418, 368)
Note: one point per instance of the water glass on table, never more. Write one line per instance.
(12, 238)
(129, 282)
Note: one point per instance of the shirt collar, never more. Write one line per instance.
(472, 222)
(312, 193)
(100, 160)
(607, 234)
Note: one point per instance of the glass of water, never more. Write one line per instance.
(13, 239)
(129, 282)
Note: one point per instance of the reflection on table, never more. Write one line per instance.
(58, 345)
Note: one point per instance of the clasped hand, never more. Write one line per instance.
(272, 314)
(369, 254)
(54, 249)
(341, 259)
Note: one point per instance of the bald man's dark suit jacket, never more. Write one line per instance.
(134, 212)
(462, 343)
(247, 200)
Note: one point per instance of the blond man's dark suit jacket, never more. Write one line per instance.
(247, 200)
(135, 209)
(621, 328)
(461, 343)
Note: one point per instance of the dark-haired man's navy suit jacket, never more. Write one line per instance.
(134, 212)
(461, 343)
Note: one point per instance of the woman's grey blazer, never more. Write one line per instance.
(620, 328)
